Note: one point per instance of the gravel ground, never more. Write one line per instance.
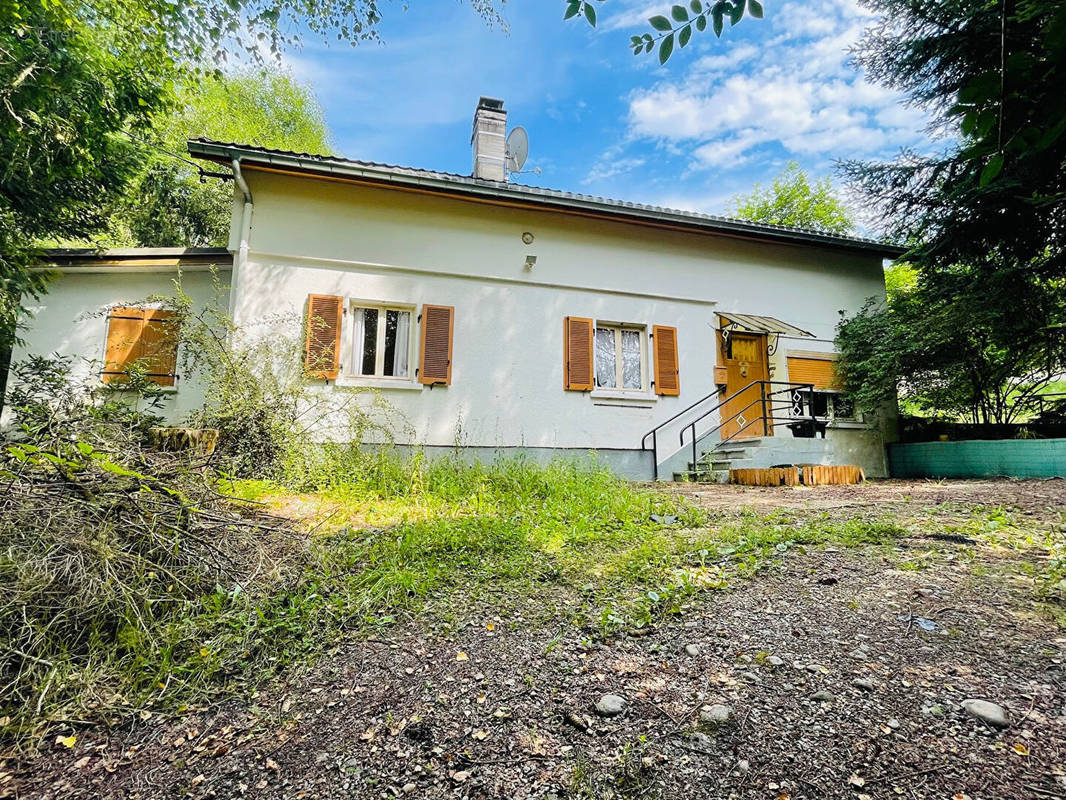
(833, 685)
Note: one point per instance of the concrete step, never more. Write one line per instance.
(702, 476)
(715, 464)
(728, 452)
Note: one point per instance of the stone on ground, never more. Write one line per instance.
(985, 711)
(717, 715)
(610, 705)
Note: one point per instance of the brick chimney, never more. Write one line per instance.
(488, 140)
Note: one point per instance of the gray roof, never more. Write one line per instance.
(503, 191)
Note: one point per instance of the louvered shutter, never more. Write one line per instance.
(159, 345)
(577, 354)
(438, 323)
(667, 378)
(323, 345)
(124, 327)
(819, 371)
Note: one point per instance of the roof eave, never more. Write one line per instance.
(502, 193)
(133, 258)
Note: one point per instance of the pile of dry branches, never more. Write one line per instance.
(106, 547)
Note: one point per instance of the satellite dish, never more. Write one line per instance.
(517, 149)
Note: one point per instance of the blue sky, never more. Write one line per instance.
(721, 115)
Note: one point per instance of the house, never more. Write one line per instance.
(504, 318)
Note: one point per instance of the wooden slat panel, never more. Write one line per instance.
(827, 475)
(125, 325)
(323, 345)
(159, 345)
(819, 371)
(437, 328)
(667, 377)
(776, 476)
(577, 354)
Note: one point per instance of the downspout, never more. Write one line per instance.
(245, 234)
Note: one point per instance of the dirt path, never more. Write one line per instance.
(495, 708)
(902, 496)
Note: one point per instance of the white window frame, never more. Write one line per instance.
(356, 353)
(618, 327)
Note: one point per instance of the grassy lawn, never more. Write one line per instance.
(348, 556)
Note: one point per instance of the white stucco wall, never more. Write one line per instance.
(71, 319)
(316, 236)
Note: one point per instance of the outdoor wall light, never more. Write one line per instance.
(530, 262)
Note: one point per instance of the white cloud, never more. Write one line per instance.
(630, 15)
(797, 92)
(610, 166)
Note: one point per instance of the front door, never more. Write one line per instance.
(745, 360)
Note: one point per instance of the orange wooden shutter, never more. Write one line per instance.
(577, 354)
(323, 347)
(667, 378)
(141, 336)
(159, 345)
(124, 327)
(438, 323)
(819, 371)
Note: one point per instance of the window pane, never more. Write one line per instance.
(631, 360)
(843, 408)
(820, 404)
(605, 357)
(370, 340)
(402, 347)
(390, 341)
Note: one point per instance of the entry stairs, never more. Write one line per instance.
(759, 453)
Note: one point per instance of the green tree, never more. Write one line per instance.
(947, 350)
(69, 87)
(992, 77)
(166, 204)
(792, 199)
(977, 326)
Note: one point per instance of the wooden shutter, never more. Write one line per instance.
(817, 369)
(667, 378)
(577, 354)
(438, 323)
(124, 327)
(144, 336)
(159, 345)
(323, 346)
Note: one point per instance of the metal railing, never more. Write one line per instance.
(768, 403)
(790, 397)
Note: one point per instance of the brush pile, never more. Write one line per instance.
(107, 547)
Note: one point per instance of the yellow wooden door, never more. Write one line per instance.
(745, 360)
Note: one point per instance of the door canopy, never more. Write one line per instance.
(771, 327)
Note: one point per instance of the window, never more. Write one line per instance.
(141, 338)
(381, 341)
(620, 358)
(831, 405)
